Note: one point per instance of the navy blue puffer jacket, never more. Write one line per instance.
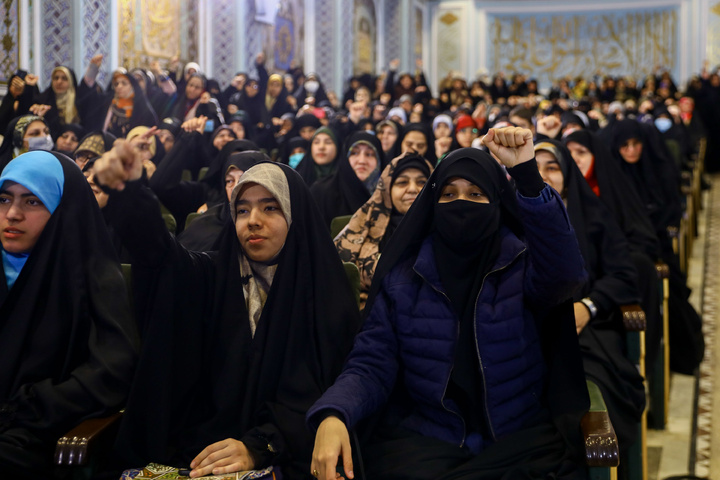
(412, 327)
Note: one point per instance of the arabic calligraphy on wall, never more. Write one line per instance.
(555, 46)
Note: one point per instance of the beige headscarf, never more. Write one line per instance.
(258, 276)
(65, 102)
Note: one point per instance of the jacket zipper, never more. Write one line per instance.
(477, 348)
(447, 381)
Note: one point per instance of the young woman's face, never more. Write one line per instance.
(67, 142)
(363, 95)
(222, 138)
(582, 156)
(307, 133)
(123, 87)
(442, 130)
(251, 89)
(323, 149)
(35, 129)
(194, 88)
(231, 178)
(22, 218)
(274, 89)
(458, 188)
(406, 188)
(465, 136)
(363, 160)
(550, 170)
(239, 130)
(166, 138)
(260, 224)
(387, 136)
(100, 195)
(631, 150)
(60, 82)
(414, 141)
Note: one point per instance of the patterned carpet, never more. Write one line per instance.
(707, 408)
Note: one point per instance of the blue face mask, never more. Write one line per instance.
(663, 124)
(295, 159)
(40, 143)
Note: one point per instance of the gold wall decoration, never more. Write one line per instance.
(365, 37)
(152, 29)
(450, 49)
(713, 36)
(160, 28)
(9, 33)
(554, 46)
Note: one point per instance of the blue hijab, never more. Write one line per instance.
(42, 174)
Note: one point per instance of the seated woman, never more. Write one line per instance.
(322, 159)
(25, 133)
(238, 343)
(469, 348)
(64, 106)
(66, 331)
(68, 139)
(358, 172)
(91, 146)
(607, 181)
(362, 241)
(417, 138)
(656, 179)
(613, 283)
(120, 108)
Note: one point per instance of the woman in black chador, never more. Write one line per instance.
(67, 336)
(238, 342)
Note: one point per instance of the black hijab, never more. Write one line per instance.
(66, 330)
(654, 176)
(604, 247)
(429, 138)
(142, 114)
(342, 193)
(203, 232)
(407, 161)
(53, 116)
(566, 393)
(310, 171)
(215, 175)
(619, 195)
(233, 384)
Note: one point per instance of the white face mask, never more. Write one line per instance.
(312, 86)
(40, 143)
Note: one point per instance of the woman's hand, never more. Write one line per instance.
(582, 316)
(442, 146)
(39, 110)
(227, 456)
(331, 441)
(511, 145)
(97, 60)
(119, 165)
(31, 79)
(196, 124)
(549, 126)
(17, 87)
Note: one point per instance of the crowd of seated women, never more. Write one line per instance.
(497, 234)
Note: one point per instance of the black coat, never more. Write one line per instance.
(203, 377)
(67, 335)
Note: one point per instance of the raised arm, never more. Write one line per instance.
(556, 268)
